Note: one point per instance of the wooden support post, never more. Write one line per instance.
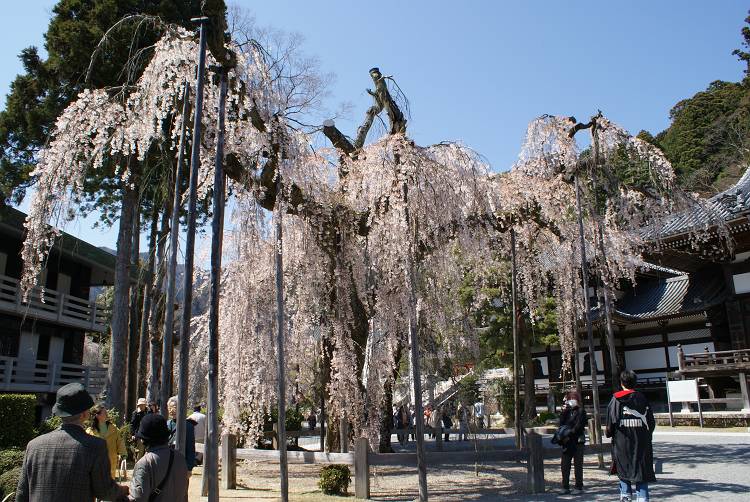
(594, 438)
(344, 435)
(745, 393)
(535, 463)
(229, 461)
(361, 469)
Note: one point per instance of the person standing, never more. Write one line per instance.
(463, 423)
(141, 410)
(436, 421)
(446, 421)
(479, 414)
(101, 427)
(312, 420)
(68, 465)
(172, 404)
(630, 424)
(573, 421)
(200, 424)
(161, 474)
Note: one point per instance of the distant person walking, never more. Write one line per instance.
(141, 410)
(572, 437)
(312, 420)
(102, 428)
(630, 424)
(161, 475)
(446, 422)
(463, 422)
(68, 465)
(172, 405)
(479, 414)
(200, 424)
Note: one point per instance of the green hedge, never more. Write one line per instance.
(18, 410)
(334, 479)
(10, 459)
(9, 482)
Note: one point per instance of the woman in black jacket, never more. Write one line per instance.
(572, 437)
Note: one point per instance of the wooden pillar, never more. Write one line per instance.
(745, 394)
(535, 463)
(361, 469)
(229, 461)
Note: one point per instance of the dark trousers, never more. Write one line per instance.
(575, 456)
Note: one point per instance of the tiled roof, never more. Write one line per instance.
(681, 295)
(725, 206)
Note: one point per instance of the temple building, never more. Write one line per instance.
(687, 316)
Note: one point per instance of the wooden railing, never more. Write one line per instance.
(708, 360)
(50, 305)
(44, 376)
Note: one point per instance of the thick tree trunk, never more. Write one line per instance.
(120, 308)
(386, 406)
(157, 308)
(148, 280)
(132, 388)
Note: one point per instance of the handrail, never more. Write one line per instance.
(48, 376)
(49, 304)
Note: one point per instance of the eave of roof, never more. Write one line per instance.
(12, 220)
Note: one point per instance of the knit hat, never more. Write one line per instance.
(153, 429)
(72, 399)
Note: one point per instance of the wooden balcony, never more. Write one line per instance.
(728, 362)
(53, 306)
(44, 376)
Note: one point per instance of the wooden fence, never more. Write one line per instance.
(533, 454)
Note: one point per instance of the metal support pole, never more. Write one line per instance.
(281, 364)
(174, 232)
(615, 373)
(516, 344)
(187, 289)
(217, 231)
(414, 351)
(576, 363)
(589, 331)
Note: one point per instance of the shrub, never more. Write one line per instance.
(9, 481)
(505, 400)
(52, 423)
(544, 417)
(334, 479)
(10, 459)
(19, 410)
(293, 420)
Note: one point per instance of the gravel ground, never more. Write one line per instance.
(695, 466)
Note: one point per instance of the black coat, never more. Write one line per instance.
(630, 424)
(575, 419)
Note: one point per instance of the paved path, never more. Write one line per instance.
(694, 467)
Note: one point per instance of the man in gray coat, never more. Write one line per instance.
(161, 475)
(68, 465)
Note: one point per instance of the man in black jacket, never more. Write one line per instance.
(630, 424)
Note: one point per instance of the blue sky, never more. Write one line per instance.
(478, 71)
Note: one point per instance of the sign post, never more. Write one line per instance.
(683, 391)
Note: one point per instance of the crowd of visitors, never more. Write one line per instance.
(437, 420)
(79, 461)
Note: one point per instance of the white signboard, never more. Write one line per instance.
(682, 390)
